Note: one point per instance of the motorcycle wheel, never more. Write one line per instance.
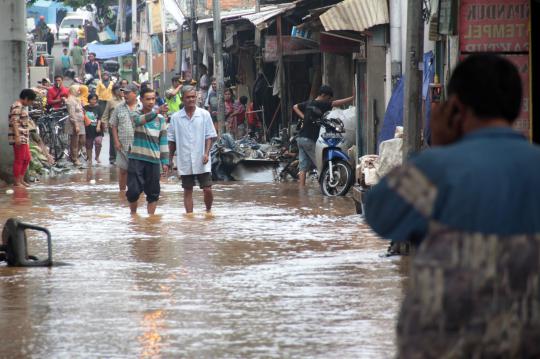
(343, 179)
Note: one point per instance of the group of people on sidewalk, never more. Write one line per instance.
(84, 127)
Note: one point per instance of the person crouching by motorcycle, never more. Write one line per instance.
(310, 112)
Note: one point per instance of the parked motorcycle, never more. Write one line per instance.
(332, 162)
(91, 83)
(225, 157)
(112, 67)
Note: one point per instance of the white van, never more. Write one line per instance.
(75, 19)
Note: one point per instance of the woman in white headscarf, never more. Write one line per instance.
(75, 125)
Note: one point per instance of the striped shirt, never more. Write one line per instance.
(150, 139)
(18, 118)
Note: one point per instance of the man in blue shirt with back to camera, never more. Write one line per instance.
(472, 206)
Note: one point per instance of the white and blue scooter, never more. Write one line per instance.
(336, 175)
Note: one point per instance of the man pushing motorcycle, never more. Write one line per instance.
(310, 112)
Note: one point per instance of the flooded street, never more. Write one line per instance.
(276, 273)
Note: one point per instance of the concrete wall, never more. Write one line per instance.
(12, 71)
(338, 73)
(376, 71)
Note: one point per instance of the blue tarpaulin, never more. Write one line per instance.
(109, 51)
(394, 113)
(429, 76)
(45, 8)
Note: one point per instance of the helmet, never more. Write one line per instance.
(88, 78)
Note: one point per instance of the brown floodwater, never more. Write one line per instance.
(275, 273)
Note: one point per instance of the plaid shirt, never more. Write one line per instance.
(18, 117)
(121, 119)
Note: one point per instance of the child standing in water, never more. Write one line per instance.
(94, 131)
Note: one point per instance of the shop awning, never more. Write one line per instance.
(109, 51)
(355, 15)
(172, 8)
(256, 18)
(259, 19)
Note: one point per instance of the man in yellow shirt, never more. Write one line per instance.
(81, 36)
(104, 90)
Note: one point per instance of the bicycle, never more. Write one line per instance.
(51, 130)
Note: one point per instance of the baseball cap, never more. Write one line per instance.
(130, 88)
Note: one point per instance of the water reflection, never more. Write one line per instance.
(277, 272)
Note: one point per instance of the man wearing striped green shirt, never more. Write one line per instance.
(148, 153)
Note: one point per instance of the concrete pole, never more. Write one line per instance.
(194, 43)
(412, 114)
(179, 47)
(281, 64)
(12, 71)
(150, 64)
(133, 21)
(395, 39)
(120, 21)
(164, 41)
(257, 5)
(218, 66)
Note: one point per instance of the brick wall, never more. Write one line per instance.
(227, 5)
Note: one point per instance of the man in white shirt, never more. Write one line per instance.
(190, 135)
(143, 75)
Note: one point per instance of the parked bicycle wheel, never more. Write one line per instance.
(61, 140)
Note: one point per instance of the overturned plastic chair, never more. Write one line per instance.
(14, 248)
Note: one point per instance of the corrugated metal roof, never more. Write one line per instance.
(259, 19)
(355, 15)
(267, 12)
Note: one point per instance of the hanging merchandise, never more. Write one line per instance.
(185, 65)
(229, 36)
(277, 81)
(156, 45)
(205, 53)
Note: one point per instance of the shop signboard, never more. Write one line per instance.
(291, 46)
(494, 26)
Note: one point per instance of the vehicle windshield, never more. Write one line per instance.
(68, 22)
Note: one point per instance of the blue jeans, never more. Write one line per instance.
(306, 153)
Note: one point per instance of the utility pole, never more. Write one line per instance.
(133, 21)
(218, 66)
(257, 5)
(118, 30)
(121, 21)
(194, 43)
(179, 48)
(281, 74)
(164, 41)
(412, 114)
(150, 64)
(12, 70)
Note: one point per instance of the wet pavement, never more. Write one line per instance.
(276, 273)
